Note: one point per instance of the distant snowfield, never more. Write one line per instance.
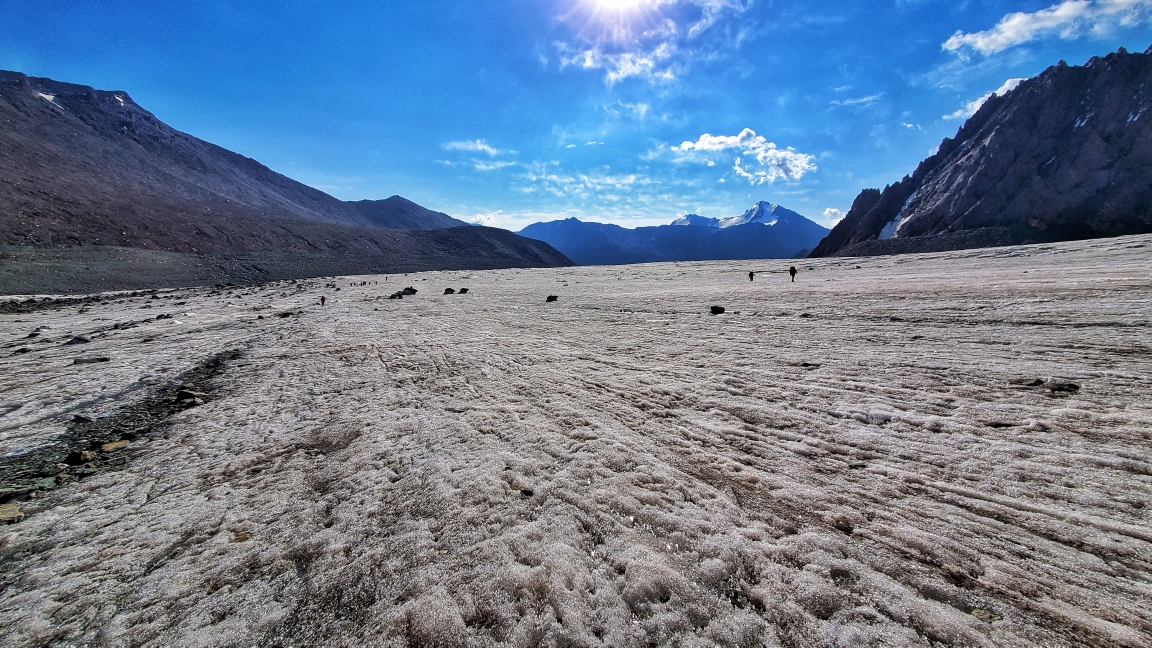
(885, 455)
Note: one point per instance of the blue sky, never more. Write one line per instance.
(509, 112)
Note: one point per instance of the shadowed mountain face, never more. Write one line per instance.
(765, 231)
(84, 167)
(1066, 155)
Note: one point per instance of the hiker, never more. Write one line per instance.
(322, 300)
(751, 276)
(792, 271)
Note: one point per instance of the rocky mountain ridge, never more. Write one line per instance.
(1065, 155)
(763, 232)
(81, 167)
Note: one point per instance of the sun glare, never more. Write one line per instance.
(619, 5)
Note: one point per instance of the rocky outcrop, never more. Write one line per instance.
(1066, 155)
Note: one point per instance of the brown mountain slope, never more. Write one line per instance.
(84, 167)
(1066, 155)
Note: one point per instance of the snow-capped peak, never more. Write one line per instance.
(762, 212)
(696, 220)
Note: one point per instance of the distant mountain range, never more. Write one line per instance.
(766, 231)
(81, 167)
(1065, 155)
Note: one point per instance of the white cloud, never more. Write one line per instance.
(971, 107)
(1067, 20)
(833, 216)
(768, 163)
(475, 146)
(487, 219)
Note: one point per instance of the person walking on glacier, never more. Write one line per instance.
(792, 271)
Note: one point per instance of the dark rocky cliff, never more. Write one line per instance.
(1066, 155)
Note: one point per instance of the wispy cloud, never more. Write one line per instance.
(754, 158)
(476, 146)
(1067, 20)
(657, 42)
(971, 107)
(862, 101)
(482, 165)
(599, 183)
(652, 65)
(621, 109)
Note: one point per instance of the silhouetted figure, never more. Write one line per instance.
(792, 271)
(751, 276)
(322, 300)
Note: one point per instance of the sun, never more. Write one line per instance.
(614, 20)
(619, 5)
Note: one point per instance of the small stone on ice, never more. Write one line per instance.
(985, 615)
(82, 361)
(10, 513)
(189, 397)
